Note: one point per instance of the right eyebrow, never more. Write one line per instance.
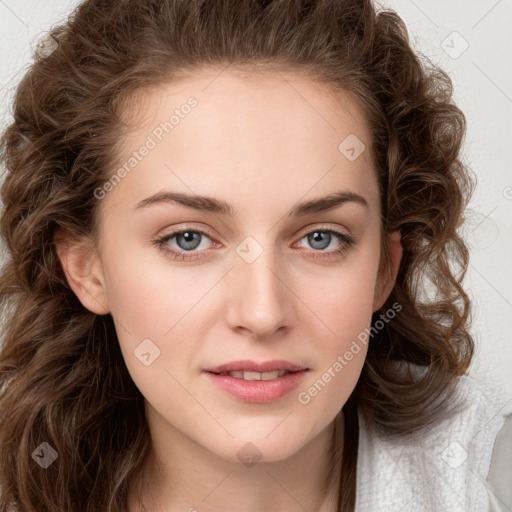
(326, 203)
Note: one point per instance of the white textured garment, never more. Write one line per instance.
(453, 467)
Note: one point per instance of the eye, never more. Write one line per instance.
(321, 238)
(188, 240)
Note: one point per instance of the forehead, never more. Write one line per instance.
(249, 133)
(261, 95)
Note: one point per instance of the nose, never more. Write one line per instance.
(260, 298)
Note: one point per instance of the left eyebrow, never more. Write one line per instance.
(218, 206)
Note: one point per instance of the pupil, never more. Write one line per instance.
(317, 237)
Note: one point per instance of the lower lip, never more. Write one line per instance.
(258, 391)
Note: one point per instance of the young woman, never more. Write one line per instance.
(234, 275)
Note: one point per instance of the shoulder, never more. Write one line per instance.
(445, 468)
(499, 478)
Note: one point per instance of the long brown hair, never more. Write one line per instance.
(62, 376)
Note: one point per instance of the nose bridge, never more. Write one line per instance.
(260, 299)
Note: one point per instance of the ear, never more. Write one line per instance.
(83, 270)
(385, 283)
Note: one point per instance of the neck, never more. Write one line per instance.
(180, 475)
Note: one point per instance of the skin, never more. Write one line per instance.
(261, 142)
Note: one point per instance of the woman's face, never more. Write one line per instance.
(258, 272)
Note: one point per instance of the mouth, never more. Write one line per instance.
(248, 375)
(257, 382)
(253, 370)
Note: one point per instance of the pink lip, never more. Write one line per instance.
(251, 366)
(257, 391)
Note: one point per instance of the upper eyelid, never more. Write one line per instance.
(302, 233)
(323, 227)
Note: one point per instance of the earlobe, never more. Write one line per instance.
(386, 283)
(83, 271)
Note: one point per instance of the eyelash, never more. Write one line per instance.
(161, 243)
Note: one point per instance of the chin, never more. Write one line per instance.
(250, 449)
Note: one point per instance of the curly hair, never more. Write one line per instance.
(62, 376)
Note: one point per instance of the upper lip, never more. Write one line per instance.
(252, 366)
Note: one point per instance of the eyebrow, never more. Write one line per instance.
(218, 206)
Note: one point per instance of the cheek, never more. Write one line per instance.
(137, 302)
(148, 296)
(345, 313)
(344, 305)
(342, 300)
(168, 305)
(149, 309)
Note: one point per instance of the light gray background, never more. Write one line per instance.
(482, 76)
